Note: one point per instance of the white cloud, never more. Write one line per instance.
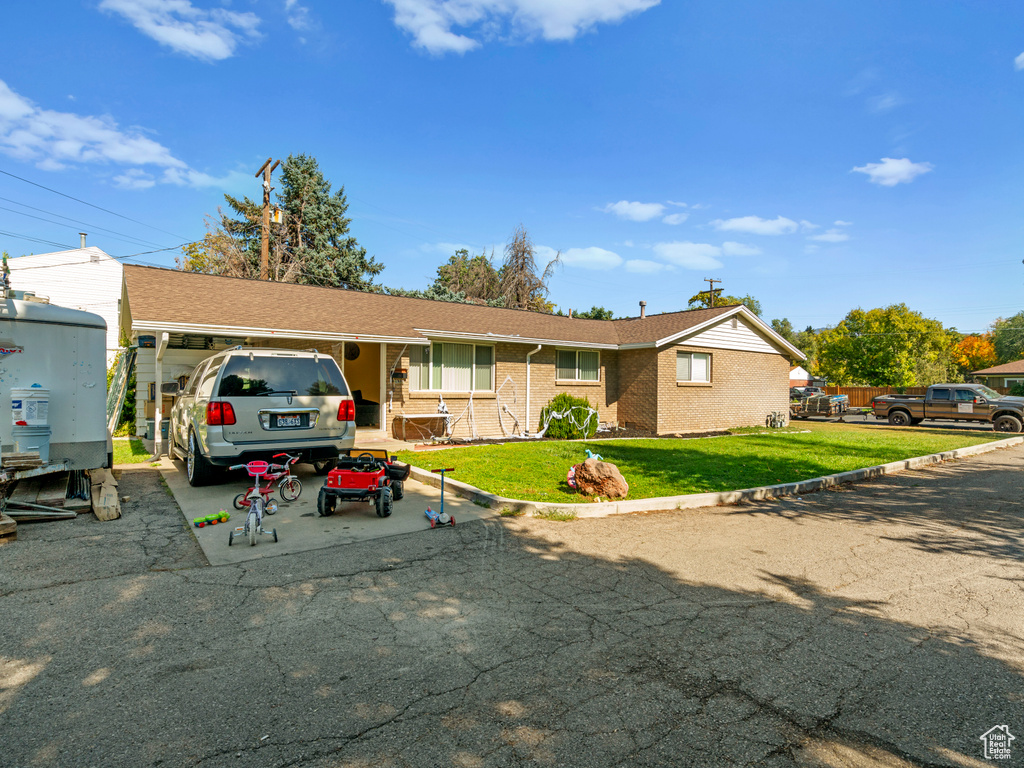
(885, 102)
(1019, 62)
(830, 236)
(739, 249)
(676, 218)
(431, 22)
(590, 258)
(841, 223)
(297, 16)
(645, 267)
(635, 211)
(755, 225)
(134, 178)
(54, 140)
(690, 255)
(806, 225)
(891, 171)
(210, 35)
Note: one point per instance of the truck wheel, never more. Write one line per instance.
(899, 418)
(1007, 424)
(324, 466)
(198, 470)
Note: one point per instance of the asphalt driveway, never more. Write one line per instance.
(876, 625)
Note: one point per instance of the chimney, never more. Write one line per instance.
(643, 304)
(82, 236)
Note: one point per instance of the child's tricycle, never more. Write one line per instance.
(368, 476)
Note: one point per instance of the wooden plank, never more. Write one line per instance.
(27, 490)
(8, 529)
(53, 490)
(105, 504)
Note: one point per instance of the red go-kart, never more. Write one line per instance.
(370, 475)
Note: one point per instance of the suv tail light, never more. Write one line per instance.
(218, 414)
(347, 410)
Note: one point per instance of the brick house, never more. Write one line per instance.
(493, 369)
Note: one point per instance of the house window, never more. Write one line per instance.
(693, 366)
(577, 365)
(444, 367)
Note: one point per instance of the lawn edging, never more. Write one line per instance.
(695, 500)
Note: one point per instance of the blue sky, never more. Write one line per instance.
(818, 155)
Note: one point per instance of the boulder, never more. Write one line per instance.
(599, 478)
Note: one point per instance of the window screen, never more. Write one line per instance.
(693, 366)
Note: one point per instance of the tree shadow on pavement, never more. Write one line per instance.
(498, 643)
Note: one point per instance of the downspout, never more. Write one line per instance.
(526, 429)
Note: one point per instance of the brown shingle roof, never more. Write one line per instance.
(171, 296)
(1017, 366)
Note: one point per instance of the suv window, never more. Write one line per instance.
(245, 377)
(193, 379)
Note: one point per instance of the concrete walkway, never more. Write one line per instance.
(299, 527)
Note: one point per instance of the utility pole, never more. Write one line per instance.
(711, 287)
(265, 170)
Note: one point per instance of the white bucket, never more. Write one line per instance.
(33, 439)
(30, 405)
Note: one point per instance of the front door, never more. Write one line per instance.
(971, 405)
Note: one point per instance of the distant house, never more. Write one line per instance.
(82, 278)
(801, 377)
(1005, 375)
(492, 369)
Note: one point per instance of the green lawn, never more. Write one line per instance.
(129, 452)
(653, 468)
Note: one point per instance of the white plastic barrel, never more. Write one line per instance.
(30, 405)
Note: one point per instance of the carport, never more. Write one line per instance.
(174, 333)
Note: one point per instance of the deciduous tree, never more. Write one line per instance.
(891, 346)
(702, 299)
(1008, 338)
(975, 353)
(521, 287)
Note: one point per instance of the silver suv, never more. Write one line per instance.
(247, 403)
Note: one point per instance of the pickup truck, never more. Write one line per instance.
(959, 402)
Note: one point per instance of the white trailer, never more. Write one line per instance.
(64, 351)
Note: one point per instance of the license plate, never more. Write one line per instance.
(289, 421)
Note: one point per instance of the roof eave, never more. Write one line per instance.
(266, 333)
(512, 339)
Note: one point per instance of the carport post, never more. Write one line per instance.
(158, 375)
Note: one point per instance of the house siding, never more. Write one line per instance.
(745, 387)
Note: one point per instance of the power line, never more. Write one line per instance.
(92, 227)
(132, 241)
(91, 205)
(36, 240)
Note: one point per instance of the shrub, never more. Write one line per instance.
(1017, 390)
(579, 423)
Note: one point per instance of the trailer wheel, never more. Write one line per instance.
(899, 418)
(1007, 424)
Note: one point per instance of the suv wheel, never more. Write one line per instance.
(197, 468)
(322, 467)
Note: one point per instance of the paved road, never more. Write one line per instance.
(878, 625)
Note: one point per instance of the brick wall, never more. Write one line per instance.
(510, 392)
(638, 388)
(745, 387)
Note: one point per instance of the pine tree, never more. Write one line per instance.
(312, 245)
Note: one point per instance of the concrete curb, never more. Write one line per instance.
(695, 500)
